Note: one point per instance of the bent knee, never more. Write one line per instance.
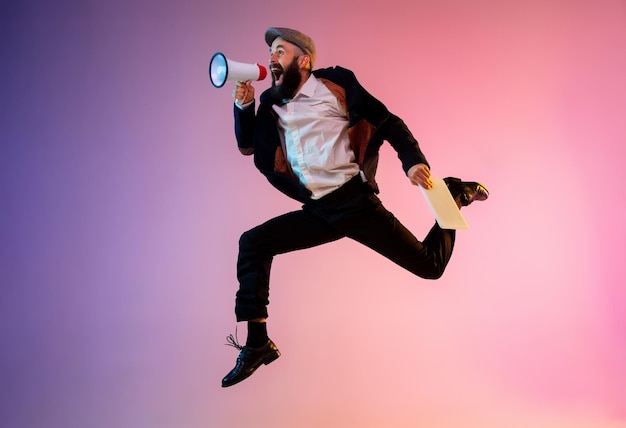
(246, 239)
(432, 274)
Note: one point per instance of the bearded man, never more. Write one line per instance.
(316, 136)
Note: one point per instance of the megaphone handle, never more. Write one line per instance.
(237, 100)
(245, 94)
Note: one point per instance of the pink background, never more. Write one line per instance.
(123, 197)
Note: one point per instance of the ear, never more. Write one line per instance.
(305, 61)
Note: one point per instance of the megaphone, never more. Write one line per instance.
(222, 70)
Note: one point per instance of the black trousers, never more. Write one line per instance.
(352, 211)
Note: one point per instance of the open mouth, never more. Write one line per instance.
(277, 73)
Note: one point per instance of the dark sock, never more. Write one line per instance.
(257, 334)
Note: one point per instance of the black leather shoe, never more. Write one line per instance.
(249, 360)
(466, 192)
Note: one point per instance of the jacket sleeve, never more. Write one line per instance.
(395, 131)
(244, 128)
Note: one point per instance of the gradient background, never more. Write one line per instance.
(123, 197)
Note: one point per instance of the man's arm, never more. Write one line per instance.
(243, 95)
(244, 129)
(413, 160)
(362, 104)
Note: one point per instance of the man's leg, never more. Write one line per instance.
(362, 217)
(257, 248)
(386, 235)
(350, 211)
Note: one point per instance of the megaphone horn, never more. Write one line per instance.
(222, 70)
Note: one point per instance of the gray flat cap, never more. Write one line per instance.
(299, 39)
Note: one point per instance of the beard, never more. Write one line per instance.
(291, 79)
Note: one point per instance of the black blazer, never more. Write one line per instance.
(370, 123)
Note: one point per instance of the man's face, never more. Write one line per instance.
(285, 68)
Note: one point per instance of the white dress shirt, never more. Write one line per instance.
(315, 138)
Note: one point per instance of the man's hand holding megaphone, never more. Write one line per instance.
(222, 70)
(243, 92)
